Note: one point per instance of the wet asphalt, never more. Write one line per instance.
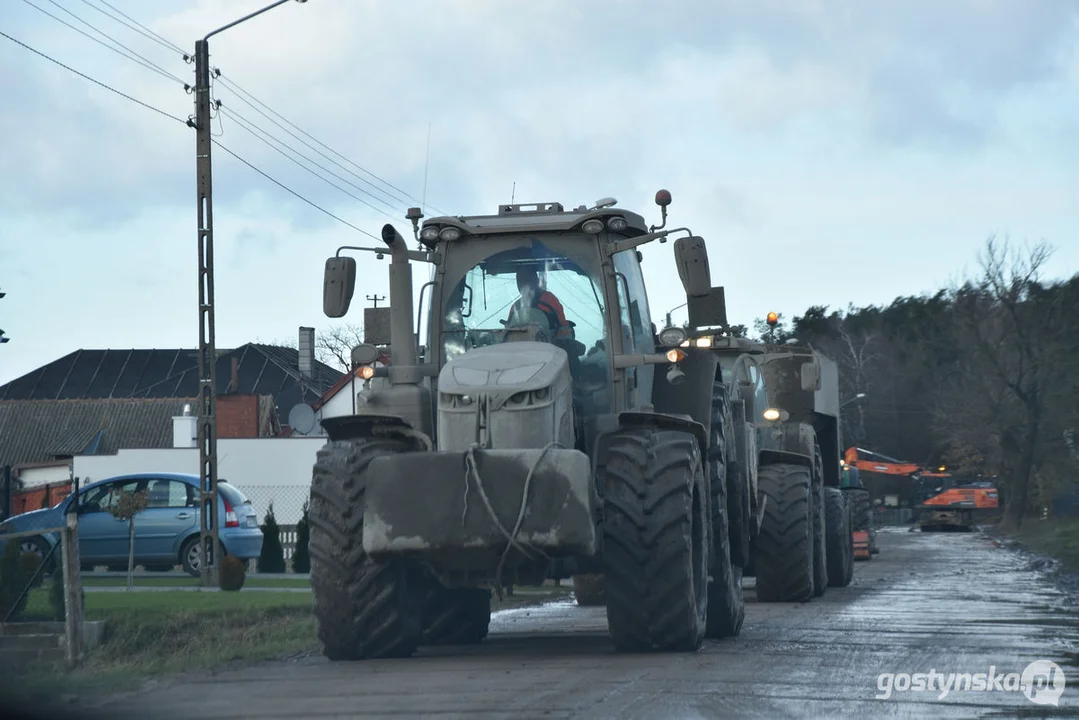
(941, 603)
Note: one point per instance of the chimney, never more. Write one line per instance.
(235, 380)
(307, 351)
(185, 429)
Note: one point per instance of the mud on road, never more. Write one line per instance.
(949, 603)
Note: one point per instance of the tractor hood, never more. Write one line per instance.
(504, 369)
(515, 395)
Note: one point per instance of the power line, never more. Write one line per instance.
(239, 89)
(184, 122)
(96, 82)
(260, 136)
(130, 54)
(254, 107)
(136, 26)
(270, 139)
(293, 192)
(251, 100)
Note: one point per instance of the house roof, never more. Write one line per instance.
(118, 374)
(34, 431)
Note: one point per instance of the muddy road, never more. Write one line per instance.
(933, 603)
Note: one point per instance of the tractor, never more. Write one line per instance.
(506, 444)
(784, 468)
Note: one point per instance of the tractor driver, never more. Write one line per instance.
(532, 295)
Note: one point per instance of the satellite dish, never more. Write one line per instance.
(301, 418)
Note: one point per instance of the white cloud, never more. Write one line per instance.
(828, 151)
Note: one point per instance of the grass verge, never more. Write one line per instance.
(152, 634)
(1058, 539)
(164, 633)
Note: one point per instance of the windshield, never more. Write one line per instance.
(489, 298)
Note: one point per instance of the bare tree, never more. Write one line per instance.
(334, 344)
(857, 359)
(1005, 318)
(126, 507)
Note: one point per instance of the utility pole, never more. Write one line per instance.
(209, 537)
(2, 338)
(375, 298)
(209, 522)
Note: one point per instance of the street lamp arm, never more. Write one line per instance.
(245, 18)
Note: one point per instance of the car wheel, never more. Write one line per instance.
(189, 556)
(39, 547)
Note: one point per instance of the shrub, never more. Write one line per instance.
(16, 569)
(232, 573)
(28, 565)
(301, 557)
(272, 559)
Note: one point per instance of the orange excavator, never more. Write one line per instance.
(942, 503)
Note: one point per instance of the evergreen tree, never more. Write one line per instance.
(301, 558)
(272, 559)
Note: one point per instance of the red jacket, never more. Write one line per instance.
(550, 306)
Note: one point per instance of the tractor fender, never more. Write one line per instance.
(666, 421)
(789, 443)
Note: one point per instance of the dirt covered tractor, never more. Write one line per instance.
(780, 404)
(538, 430)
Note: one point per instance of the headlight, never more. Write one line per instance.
(773, 414)
(593, 226)
(672, 337)
(617, 223)
(450, 234)
(429, 233)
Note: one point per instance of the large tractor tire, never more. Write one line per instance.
(783, 554)
(655, 539)
(455, 616)
(588, 590)
(364, 609)
(820, 541)
(861, 510)
(837, 517)
(726, 603)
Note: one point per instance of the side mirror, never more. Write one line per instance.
(338, 285)
(810, 377)
(691, 257)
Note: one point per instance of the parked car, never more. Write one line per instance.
(166, 532)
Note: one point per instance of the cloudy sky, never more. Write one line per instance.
(830, 151)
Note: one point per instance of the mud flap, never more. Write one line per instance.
(431, 505)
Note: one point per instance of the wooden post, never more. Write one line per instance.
(72, 587)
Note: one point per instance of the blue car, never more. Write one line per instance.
(166, 532)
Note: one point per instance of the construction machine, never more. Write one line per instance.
(940, 500)
(958, 506)
(521, 445)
